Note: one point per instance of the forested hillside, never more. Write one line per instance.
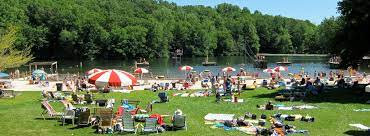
(107, 29)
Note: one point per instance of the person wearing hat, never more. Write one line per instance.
(242, 72)
(177, 114)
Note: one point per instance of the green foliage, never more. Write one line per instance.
(10, 57)
(353, 39)
(102, 29)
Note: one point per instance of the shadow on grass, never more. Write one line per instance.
(46, 119)
(357, 133)
(336, 95)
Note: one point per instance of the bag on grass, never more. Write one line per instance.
(263, 116)
(254, 116)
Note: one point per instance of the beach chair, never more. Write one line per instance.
(179, 122)
(163, 97)
(128, 123)
(84, 119)
(7, 94)
(105, 119)
(68, 114)
(88, 98)
(76, 99)
(48, 109)
(150, 125)
(101, 103)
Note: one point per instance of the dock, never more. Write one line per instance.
(294, 55)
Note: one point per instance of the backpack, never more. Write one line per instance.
(263, 116)
(254, 116)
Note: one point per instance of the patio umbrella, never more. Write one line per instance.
(186, 68)
(269, 70)
(38, 73)
(228, 69)
(2, 75)
(281, 68)
(114, 78)
(92, 71)
(141, 71)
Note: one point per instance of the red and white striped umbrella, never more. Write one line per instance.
(115, 78)
(186, 68)
(92, 71)
(269, 70)
(141, 70)
(281, 68)
(228, 69)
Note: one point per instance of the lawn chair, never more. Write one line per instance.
(88, 98)
(128, 123)
(101, 103)
(76, 99)
(105, 119)
(68, 114)
(48, 109)
(84, 118)
(150, 125)
(179, 122)
(163, 96)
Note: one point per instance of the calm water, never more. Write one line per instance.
(169, 67)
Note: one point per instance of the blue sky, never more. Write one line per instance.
(313, 10)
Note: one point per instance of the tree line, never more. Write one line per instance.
(116, 29)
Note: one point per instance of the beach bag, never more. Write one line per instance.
(290, 118)
(161, 129)
(229, 123)
(248, 115)
(254, 116)
(263, 116)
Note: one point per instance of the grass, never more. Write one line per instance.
(21, 116)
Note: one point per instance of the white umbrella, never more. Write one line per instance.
(92, 71)
(228, 69)
(141, 71)
(269, 70)
(281, 68)
(115, 78)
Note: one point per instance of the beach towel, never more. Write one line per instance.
(159, 118)
(364, 110)
(248, 130)
(285, 108)
(360, 126)
(229, 100)
(176, 94)
(302, 107)
(218, 117)
(185, 95)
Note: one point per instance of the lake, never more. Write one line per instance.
(169, 67)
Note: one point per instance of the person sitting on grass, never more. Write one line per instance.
(272, 84)
(228, 86)
(178, 120)
(218, 96)
(269, 106)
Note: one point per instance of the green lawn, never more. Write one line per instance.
(20, 116)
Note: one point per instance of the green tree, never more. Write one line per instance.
(9, 56)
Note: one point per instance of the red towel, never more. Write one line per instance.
(120, 111)
(159, 118)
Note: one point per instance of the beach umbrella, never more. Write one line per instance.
(114, 78)
(186, 68)
(141, 70)
(2, 75)
(228, 69)
(92, 71)
(281, 68)
(269, 70)
(38, 73)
